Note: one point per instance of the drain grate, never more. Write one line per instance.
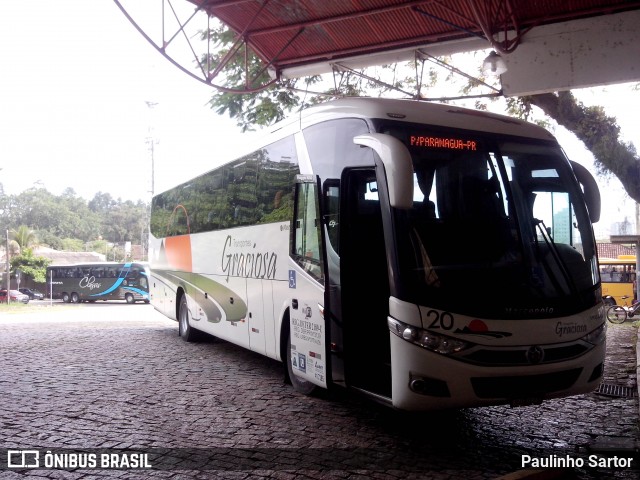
(621, 391)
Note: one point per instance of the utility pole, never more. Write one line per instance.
(8, 271)
(151, 141)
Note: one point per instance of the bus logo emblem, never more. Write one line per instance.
(535, 354)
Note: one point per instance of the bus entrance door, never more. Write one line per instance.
(307, 329)
(308, 355)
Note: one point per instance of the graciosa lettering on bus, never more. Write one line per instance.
(88, 282)
(237, 262)
(425, 256)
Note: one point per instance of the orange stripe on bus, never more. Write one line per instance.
(178, 251)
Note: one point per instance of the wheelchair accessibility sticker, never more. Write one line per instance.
(299, 361)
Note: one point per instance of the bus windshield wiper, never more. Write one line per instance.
(551, 245)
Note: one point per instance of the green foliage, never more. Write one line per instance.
(30, 265)
(73, 245)
(23, 236)
(245, 72)
(599, 132)
(55, 219)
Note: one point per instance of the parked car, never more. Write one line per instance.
(32, 294)
(14, 296)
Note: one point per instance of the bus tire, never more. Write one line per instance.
(65, 297)
(129, 298)
(299, 385)
(75, 298)
(185, 331)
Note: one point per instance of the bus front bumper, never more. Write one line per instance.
(424, 380)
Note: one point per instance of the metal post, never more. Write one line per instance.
(8, 271)
(638, 251)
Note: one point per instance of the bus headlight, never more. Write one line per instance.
(431, 341)
(597, 336)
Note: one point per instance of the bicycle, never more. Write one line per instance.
(620, 313)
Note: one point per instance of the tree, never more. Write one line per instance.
(23, 236)
(30, 265)
(101, 202)
(53, 218)
(260, 108)
(599, 132)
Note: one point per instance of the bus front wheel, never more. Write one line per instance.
(129, 298)
(299, 385)
(185, 331)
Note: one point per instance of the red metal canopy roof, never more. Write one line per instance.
(286, 33)
(294, 37)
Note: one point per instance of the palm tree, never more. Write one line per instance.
(21, 238)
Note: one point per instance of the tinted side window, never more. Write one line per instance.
(257, 188)
(306, 246)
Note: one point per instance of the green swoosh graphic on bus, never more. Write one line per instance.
(232, 304)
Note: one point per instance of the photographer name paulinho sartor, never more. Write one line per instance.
(566, 461)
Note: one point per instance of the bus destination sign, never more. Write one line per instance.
(426, 141)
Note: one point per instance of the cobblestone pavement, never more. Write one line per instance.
(115, 376)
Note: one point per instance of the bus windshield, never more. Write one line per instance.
(494, 218)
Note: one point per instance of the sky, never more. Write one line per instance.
(77, 81)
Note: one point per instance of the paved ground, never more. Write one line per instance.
(116, 376)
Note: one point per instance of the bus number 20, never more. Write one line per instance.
(443, 320)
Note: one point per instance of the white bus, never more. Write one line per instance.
(425, 255)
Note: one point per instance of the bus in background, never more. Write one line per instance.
(618, 276)
(424, 255)
(88, 282)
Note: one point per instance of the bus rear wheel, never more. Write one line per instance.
(299, 385)
(75, 298)
(66, 297)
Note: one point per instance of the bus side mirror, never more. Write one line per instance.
(590, 189)
(398, 166)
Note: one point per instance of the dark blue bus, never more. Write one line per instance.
(89, 282)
